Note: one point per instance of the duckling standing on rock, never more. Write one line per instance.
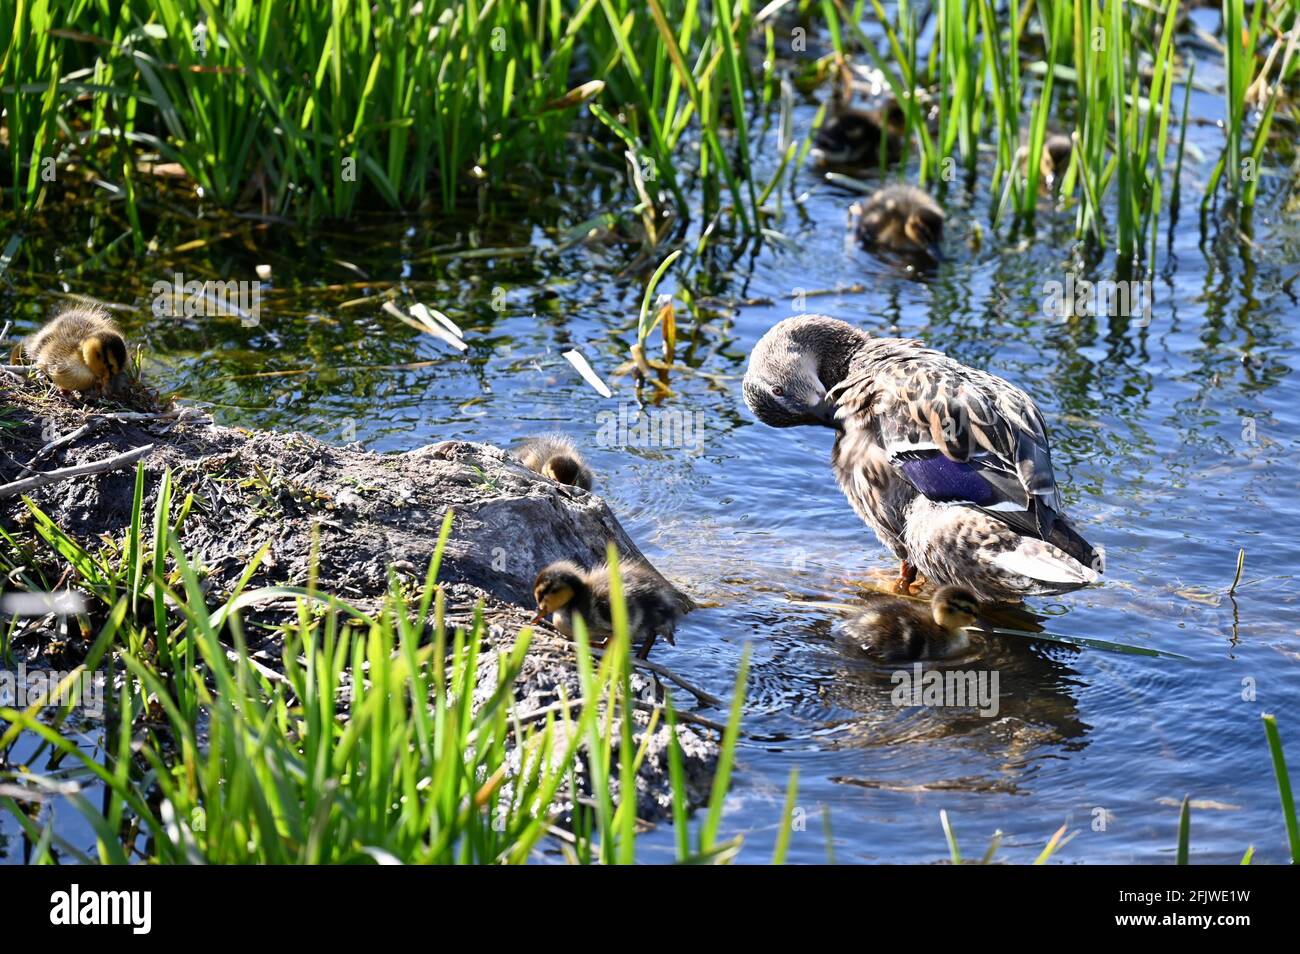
(563, 589)
(555, 456)
(896, 630)
(901, 219)
(79, 350)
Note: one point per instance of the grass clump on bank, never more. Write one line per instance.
(312, 108)
(377, 741)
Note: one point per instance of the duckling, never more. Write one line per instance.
(896, 630)
(564, 589)
(1057, 148)
(555, 456)
(902, 219)
(79, 349)
(852, 137)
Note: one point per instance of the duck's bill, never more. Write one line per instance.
(823, 156)
(824, 411)
(540, 615)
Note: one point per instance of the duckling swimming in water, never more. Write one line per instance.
(654, 607)
(556, 457)
(1057, 149)
(901, 219)
(79, 349)
(853, 137)
(897, 630)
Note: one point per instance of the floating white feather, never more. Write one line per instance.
(429, 315)
(584, 368)
(429, 327)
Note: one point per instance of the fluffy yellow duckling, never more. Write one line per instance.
(897, 630)
(79, 349)
(901, 219)
(554, 456)
(564, 589)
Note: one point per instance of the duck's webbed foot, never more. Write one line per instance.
(906, 577)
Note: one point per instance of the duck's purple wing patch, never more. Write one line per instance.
(948, 481)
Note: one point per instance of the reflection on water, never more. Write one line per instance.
(1175, 443)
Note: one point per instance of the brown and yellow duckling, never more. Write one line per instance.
(897, 630)
(854, 137)
(901, 219)
(554, 456)
(80, 349)
(564, 589)
(1055, 159)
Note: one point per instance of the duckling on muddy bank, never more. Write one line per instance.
(654, 607)
(556, 458)
(80, 349)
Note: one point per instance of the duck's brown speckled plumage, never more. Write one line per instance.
(899, 407)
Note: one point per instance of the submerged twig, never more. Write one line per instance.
(1079, 642)
(705, 697)
(681, 682)
(682, 716)
(538, 715)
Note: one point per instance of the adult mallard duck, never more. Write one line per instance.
(564, 589)
(80, 349)
(893, 629)
(949, 465)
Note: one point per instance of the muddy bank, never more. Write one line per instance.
(371, 511)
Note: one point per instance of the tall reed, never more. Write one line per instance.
(309, 108)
